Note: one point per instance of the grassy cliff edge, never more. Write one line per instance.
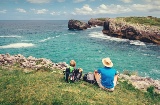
(48, 87)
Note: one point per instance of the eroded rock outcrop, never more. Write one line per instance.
(78, 25)
(33, 63)
(122, 29)
(93, 22)
(142, 83)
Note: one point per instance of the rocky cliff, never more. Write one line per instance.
(122, 29)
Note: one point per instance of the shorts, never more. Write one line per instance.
(101, 86)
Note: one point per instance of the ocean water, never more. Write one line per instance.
(51, 39)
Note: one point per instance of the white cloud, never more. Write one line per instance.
(41, 11)
(21, 10)
(126, 1)
(3, 11)
(38, 1)
(102, 9)
(85, 10)
(58, 13)
(146, 7)
(78, 1)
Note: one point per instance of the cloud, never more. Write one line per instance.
(78, 1)
(3, 11)
(21, 10)
(85, 10)
(146, 7)
(102, 9)
(58, 13)
(38, 1)
(126, 1)
(41, 11)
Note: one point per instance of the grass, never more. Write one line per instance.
(49, 88)
(153, 21)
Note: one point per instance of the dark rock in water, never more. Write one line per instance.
(121, 29)
(93, 22)
(78, 25)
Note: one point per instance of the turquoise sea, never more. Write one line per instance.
(51, 39)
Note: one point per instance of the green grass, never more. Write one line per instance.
(153, 21)
(49, 88)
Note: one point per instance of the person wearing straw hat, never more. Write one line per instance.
(107, 76)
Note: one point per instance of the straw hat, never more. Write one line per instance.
(107, 62)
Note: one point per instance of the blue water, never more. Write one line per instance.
(51, 39)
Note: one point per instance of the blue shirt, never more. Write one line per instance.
(107, 76)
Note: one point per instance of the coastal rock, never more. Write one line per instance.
(93, 22)
(30, 62)
(141, 83)
(78, 25)
(121, 29)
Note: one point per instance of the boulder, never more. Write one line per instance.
(78, 25)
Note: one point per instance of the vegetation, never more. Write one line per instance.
(102, 19)
(48, 88)
(143, 20)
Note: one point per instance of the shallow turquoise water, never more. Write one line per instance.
(53, 40)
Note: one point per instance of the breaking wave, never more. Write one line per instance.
(17, 45)
(102, 36)
(11, 36)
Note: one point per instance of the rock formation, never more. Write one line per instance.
(121, 29)
(78, 25)
(142, 83)
(33, 63)
(93, 22)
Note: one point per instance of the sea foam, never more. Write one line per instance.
(137, 42)
(11, 36)
(45, 39)
(102, 36)
(17, 45)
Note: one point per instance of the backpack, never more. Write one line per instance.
(73, 76)
(89, 77)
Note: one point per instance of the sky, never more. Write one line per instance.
(76, 9)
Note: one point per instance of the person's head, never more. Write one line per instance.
(72, 63)
(107, 62)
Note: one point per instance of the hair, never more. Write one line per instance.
(72, 63)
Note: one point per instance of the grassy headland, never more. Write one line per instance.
(48, 88)
(152, 21)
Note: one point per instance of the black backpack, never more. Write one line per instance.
(73, 76)
(89, 77)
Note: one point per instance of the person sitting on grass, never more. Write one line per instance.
(106, 77)
(71, 73)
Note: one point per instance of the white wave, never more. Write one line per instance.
(45, 39)
(137, 42)
(95, 27)
(58, 36)
(11, 36)
(72, 33)
(26, 40)
(17, 45)
(158, 57)
(103, 36)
